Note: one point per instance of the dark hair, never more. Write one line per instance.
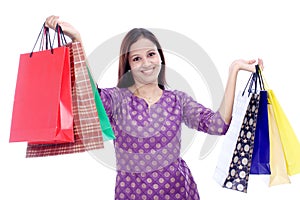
(125, 78)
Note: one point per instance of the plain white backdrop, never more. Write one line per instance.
(226, 30)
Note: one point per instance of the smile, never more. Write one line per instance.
(148, 71)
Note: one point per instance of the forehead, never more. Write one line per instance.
(142, 44)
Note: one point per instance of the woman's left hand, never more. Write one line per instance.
(246, 65)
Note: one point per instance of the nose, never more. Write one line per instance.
(146, 62)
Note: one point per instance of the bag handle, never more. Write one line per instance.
(61, 39)
(255, 79)
(44, 36)
(260, 77)
(249, 84)
(45, 41)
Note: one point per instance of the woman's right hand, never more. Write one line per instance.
(68, 29)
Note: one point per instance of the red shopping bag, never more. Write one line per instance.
(42, 109)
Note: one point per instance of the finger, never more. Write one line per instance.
(52, 21)
(251, 61)
(260, 63)
(48, 20)
(251, 68)
(62, 23)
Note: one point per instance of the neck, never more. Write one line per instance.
(147, 90)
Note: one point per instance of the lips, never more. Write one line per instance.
(148, 71)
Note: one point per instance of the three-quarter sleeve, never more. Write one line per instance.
(197, 116)
(110, 98)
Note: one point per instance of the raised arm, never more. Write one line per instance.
(228, 99)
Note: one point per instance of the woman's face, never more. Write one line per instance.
(144, 61)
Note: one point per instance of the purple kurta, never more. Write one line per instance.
(148, 141)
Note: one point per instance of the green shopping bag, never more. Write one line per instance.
(107, 131)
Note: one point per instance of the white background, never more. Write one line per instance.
(226, 30)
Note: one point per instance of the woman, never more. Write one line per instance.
(147, 119)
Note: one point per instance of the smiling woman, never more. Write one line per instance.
(145, 65)
(145, 62)
(140, 49)
(147, 119)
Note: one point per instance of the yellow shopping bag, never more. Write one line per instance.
(277, 162)
(290, 143)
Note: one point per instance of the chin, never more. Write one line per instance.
(150, 82)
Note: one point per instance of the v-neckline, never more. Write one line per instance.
(145, 100)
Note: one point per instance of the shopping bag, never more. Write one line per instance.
(261, 152)
(87, 130)
(42, 109)
(239, 109)
(239, 170)
(289, 140)
(106, 128)
(279, 173)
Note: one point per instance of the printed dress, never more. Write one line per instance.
(148, 140)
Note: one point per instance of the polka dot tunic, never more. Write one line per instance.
(148, 140)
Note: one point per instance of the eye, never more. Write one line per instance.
(135, 59)
(152, 54)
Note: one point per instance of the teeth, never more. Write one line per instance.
(148, 71)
